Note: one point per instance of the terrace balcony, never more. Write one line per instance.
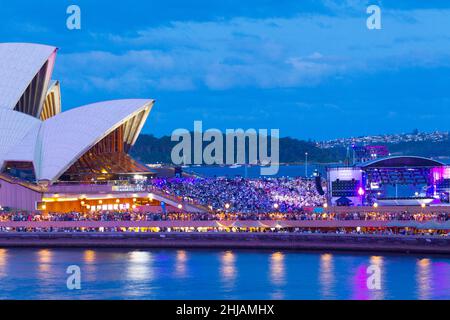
(96, 187)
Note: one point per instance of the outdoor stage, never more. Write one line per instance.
(396, 180)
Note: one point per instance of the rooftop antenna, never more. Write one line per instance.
(347, 157)
(353, 148)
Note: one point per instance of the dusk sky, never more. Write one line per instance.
(309, 68)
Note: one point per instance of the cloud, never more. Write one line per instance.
(346, 5)
(263, 53)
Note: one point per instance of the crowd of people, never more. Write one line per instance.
(246, 196)
(237, 199)
(338, 231)
(177, 216)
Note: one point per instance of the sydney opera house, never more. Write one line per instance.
(54, 160)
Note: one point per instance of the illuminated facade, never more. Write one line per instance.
(390, 181)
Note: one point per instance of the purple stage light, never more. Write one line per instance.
(361, 191)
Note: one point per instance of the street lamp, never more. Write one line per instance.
(306, 164)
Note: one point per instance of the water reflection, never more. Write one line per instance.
(139, 266)
(378, 294)
(326, 276)
(423, 278)
(361, 288)
(211, 274)
(277, 274)
(45, 272)
(3, 262)
(228, 269)
(277, 269)
(440, 274)
(89, 256)
(44, 259)
(180, 266)
(89, 271)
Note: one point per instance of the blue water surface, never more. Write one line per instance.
(216, 274)
(255, 171)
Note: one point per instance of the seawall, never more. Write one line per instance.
(291, 241)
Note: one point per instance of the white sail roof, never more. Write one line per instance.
(68, 135)
(19, 64)
(36, 131)
(14, 127)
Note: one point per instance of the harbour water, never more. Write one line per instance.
(255, 171)
(216, 274)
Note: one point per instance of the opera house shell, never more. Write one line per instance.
(40, 145)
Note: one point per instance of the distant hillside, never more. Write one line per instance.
(149, 149)
(424, 149)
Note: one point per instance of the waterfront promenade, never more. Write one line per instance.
(380, 234)
(243, 224)
(231, 240)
